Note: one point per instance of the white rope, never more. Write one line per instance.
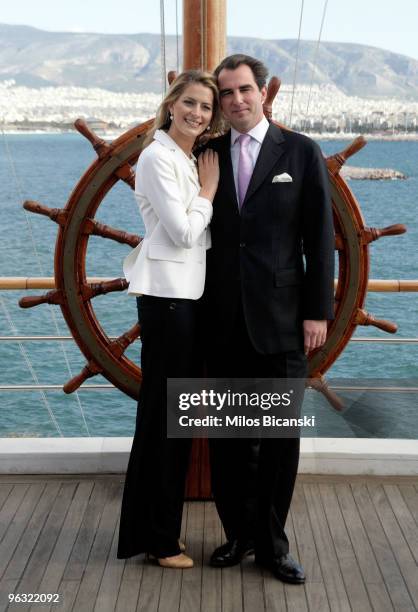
(296, 64)
(25, 356)
(50, 308)
(163, 53)
(177, 39)
(202, 35)
(314, 62)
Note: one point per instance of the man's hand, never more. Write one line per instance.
(315, 334)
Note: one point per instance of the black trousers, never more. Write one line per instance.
(153, 496)
(253, 480)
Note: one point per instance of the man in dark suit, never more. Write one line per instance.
(268, 294)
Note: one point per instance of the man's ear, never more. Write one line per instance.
(263, 92)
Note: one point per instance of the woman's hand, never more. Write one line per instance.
(208, 164)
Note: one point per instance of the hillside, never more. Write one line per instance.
(131, 62)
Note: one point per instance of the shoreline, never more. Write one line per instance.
(113, 134)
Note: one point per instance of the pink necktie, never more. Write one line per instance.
(245, 167)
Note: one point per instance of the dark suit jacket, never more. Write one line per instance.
(277, 256)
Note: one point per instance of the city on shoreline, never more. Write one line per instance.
(322, 111)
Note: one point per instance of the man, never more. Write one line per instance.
(266, 308)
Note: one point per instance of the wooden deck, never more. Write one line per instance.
(357, 538)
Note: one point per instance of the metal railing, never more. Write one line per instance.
(53, 387)
(27, 283)
(94, 387)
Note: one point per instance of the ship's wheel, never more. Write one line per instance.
(77, 222)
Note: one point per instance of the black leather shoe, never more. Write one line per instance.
(285, 569)
(231, 553)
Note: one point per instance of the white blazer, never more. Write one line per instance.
(171, 259)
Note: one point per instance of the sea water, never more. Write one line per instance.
(46, 167)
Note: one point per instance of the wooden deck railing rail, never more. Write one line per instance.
(48, 282)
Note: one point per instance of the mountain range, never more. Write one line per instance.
(132, 62)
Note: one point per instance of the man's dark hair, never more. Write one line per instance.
(232, 62)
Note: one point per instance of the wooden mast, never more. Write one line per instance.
(204, 33)
(204, 46)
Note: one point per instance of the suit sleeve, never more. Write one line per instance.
(157, 177)
(318, 240)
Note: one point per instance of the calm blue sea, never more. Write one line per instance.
(46, 168)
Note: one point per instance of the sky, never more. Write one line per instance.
(387, 24)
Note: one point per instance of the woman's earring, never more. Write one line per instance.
(208, 128)
(171, 117)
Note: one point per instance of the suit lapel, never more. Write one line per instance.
(271, 151)
(225, 162)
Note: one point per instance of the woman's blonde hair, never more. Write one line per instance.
(176, 89)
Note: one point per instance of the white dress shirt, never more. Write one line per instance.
(257, 136)
(171, 259)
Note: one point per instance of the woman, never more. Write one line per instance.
(167, 271)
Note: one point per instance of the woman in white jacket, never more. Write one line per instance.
(167, 273)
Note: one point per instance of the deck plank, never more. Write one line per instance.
(363, 551)
(130, 586)
(274, 593)
(191, 584)
(18, 524)
(8, 587)
(79, 555)
(170, 592)
(68, 590)
(65, 542)
(317, 597)
(410, 495)
(404, 518)
(77, 561)
(232, 599)
(350, 570)
(4, 492)
(252, 585)
(396, 587)
(211, 578)
(10, 506)
(304, 536)
(107, 596)
(396, 539)
(23, 551)
(33, 528)
(38, 562)
(295, 596)
(149, 595)
(171, 581)
(92, 576)
(357, 538)
(332, 576)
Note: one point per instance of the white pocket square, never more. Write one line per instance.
(282, 178)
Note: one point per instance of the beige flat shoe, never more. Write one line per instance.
(180, 561)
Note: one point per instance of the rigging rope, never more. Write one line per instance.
(50, 308)
(202, 36)
(314, 62)
(28, 362)
(177, 39)
(163, 52)
(296, 64)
